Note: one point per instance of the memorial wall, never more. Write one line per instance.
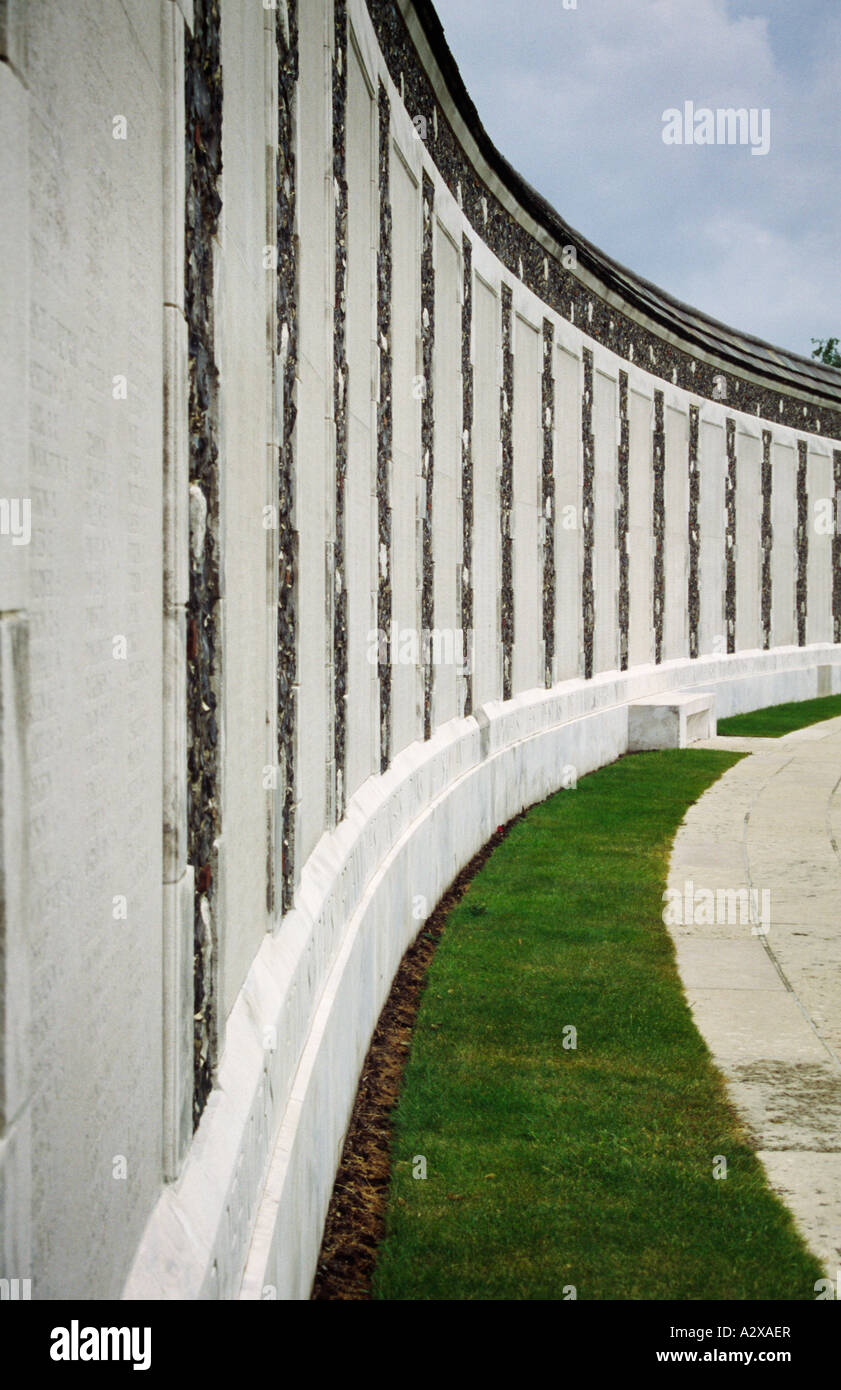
(348, 498)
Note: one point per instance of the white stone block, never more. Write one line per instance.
(15, 253)
(177, 928)
(174, 745)
(172, 139)
(16, 1202)
(16, 1042)
(673, 720)
(176, 461)
(186, 9)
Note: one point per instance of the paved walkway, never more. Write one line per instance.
(766, 992)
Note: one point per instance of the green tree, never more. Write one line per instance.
(827, 351)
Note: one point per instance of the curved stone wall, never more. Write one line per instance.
(443, 488)
(611, 492)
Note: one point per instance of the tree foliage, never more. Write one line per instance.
(826, 351)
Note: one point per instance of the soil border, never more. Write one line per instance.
(355, 1222)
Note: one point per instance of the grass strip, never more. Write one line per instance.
(550, 1167)
(780, 719)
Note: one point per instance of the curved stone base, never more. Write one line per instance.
(245, 1217)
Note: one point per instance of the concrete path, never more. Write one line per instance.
(758, 937)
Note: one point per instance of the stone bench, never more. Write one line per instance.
(671, 720)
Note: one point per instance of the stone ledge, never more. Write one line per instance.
(673, 720)
(245, 1217)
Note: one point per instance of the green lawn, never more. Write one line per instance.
(547, 1166)
(781, 719)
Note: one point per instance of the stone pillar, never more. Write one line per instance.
(18, 521)
(820, 486)
(784, 552)
(676, 497)
(178, 876)
(640, 515)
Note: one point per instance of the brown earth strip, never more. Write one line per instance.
(355, 1222)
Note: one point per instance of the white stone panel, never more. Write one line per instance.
(528, 554)
(712, 455)
(640, 542)
(95, 312)
(244, 294)
(605, 560)
(14, 326)
(362, 738)
(315, 482)
(676, 494)
(446, 497)
(784, 549)
(406, 676)
(820, 489)
(15, 954)
(487, 679)
(568, 535)
(748, 540)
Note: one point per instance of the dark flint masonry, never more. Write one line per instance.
(694, 528)
(384, 423)
(506, 486)
(801, 600)
(547, 404)
(658, 523)
(338, 579)
(730, 538)
(465, 587)
(623, 458)
(428, 439)
(203, 155)
(287, 330)
(836, 547)
(287, 314)
(766, 539)
(588, 609)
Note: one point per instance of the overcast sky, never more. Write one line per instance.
(574, 98)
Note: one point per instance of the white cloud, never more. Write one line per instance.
(574, 98)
